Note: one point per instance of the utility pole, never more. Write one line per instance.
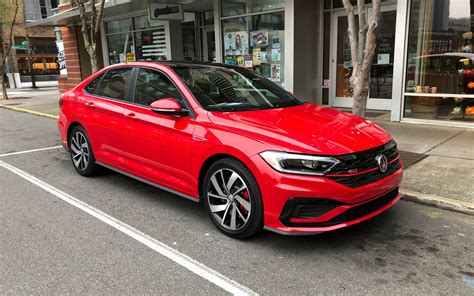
(30, 63)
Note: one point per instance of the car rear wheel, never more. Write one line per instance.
(81, 152)
(233, 199)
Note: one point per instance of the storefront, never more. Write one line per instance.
(439, 74)
(423, 66)
(422, 69)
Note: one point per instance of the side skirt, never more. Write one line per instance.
(148, 182)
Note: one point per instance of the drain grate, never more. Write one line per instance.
(410, 158)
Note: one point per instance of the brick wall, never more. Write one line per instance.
(73, 61)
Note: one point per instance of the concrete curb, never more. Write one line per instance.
(439, 202)
(30, 112)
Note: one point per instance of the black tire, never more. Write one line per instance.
(86, 166)
(248, 203)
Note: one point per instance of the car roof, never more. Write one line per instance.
(172, 63)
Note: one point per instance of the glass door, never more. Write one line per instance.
(208, 44)
(381, 76)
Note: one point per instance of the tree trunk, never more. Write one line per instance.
(2, 68)
(362, 47)
(94, 63)
(360, 95)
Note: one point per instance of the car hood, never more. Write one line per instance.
(306, 128)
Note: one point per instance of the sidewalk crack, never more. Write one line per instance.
(442, 142)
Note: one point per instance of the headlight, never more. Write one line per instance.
(299, 163)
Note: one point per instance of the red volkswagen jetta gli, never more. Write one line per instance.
(252, 152)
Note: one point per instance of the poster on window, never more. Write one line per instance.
(240, 61)
(259, 38)
(248, 62)
(241, 43)
(256, 56)
(275, 74)
(263, 57)
(229, 43)
(276, 54)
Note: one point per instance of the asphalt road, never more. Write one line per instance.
(48, 246)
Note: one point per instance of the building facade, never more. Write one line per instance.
(34, 48)
(423, 65)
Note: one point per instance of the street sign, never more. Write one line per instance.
(19, 46)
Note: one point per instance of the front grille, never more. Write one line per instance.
(365, 161)
(367, 178)
(289, 211)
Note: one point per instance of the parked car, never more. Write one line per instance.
(254, 154)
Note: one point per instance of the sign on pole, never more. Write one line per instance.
(19, 46)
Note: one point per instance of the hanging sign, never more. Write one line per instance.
(163, 11)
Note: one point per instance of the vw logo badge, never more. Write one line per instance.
(382, 162)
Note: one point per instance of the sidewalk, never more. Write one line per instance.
(444, 177)
(42, 100)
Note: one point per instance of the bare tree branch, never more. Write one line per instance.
(363, 27)
(100, 14)
(351, 31)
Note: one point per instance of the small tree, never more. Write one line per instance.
(8, 14)
(362, 46)
(91, 18)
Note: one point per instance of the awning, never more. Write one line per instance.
(71, 17)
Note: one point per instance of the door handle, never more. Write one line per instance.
(132, 116)
(90, 105)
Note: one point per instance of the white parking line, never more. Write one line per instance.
(29, 151)
(187, 262)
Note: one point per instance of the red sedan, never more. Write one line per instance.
(255, 155)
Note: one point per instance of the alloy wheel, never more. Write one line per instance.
(229, 199)
(80, 151)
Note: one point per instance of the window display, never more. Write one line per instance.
(440, 61)
(257, 43)
(137, 39)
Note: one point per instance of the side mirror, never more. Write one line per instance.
(168, 106)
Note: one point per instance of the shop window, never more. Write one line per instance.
(209, 18)
(152, 85)
(238, 7)
(440, 61)
(257, 43)
(118, 26)
(114, 83)
(144, 41)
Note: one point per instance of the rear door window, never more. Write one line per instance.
(115, 83)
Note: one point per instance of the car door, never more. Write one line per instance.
(157, 146)
(104, 116)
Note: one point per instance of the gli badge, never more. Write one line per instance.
(382, 162)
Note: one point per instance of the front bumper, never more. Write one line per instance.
(332, 204)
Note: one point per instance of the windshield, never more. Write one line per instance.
(233, 89)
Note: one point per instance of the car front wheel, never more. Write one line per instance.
(232, 198)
